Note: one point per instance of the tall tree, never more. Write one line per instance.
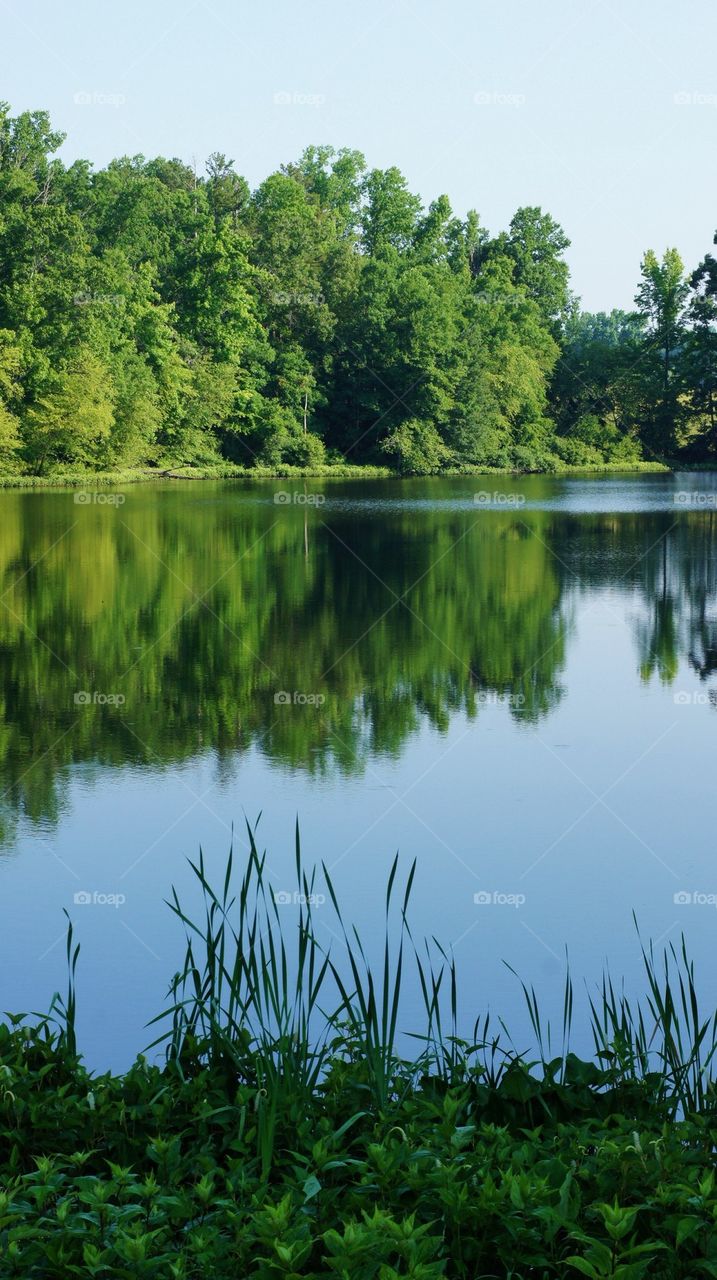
(699, 358)
(660, 299)
(536, 243)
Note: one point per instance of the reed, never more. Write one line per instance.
(273, 1006)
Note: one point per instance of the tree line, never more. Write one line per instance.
(154, 316)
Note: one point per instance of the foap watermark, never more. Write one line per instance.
(498, 98)
(94, 98)
(493, 299)
(296, 298)
(489, 698)
(285, 898)
(96, 498)
(85, 698)
(283, 698)
(495, 898)
(294, 497)
(496, 499)
(98, 300)
(694, 898)
(692, 698)
(694, 498)
(293, 98)
(694, 98)
(94, 898)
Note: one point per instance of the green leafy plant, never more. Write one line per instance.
(285, 1135)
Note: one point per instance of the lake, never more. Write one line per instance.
(513, 681)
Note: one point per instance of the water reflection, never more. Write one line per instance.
(186, 613)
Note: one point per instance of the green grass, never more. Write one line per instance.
(82, 478)
(288, 1132)
(562, 469)
(79, 478)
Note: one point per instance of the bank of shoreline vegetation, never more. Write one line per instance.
(85, 479)
(153, 318)
(286, 1134)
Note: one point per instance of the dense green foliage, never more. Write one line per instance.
(154, 1176)
(267, 1147)
(654, 370)
(150, 316)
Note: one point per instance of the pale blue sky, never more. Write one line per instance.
(603, 113)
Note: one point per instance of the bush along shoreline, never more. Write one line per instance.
(103, 479)
(285, 1135)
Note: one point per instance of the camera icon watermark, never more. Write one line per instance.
(283, 698)
(694, 98)
(285, 898)
(694, 898)
(496, 98)
(294, 497)
(93, 98)
(85, 698)
(96, 498)
(694, 698)
(98, 300)
(94, 898)
(495, 299)
(498, 499)
(495, 898)
(694, 498)
(292, 98)
(489, 698)
(296, 298)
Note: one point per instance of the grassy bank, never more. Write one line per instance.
(285, 1136)
(92, 479)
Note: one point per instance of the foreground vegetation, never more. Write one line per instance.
(287, 1135)
(154, 317)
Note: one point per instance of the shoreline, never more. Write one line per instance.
(103, 479)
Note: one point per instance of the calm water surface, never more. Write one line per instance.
(520, 691)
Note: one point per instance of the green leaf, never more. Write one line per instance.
(312, 1187)
(585, 1268)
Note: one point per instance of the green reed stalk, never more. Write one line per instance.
(276, 1009)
